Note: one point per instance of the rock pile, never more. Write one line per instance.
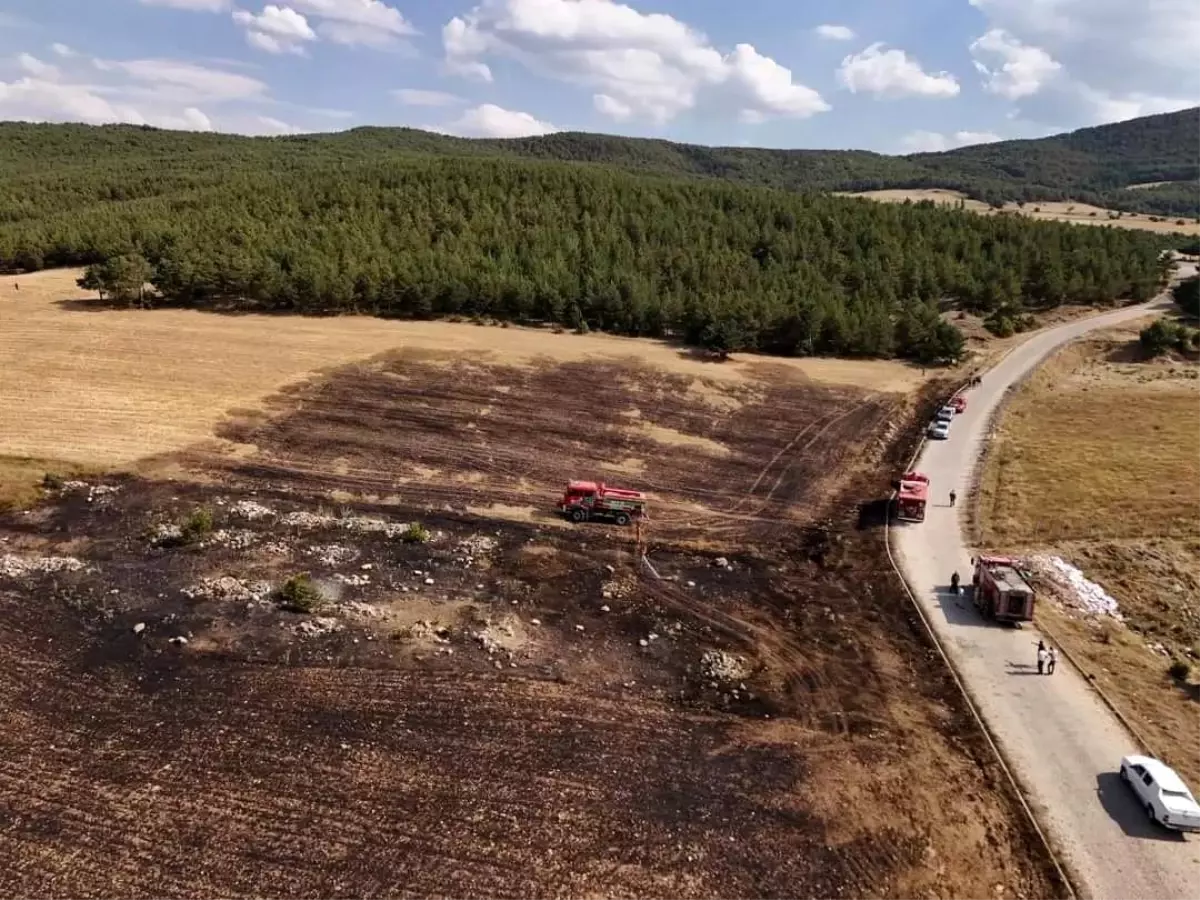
(12, 566)
(248, 509)
(333, 554)
(720, 665)
(226, 587)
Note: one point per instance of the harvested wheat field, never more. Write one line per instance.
(1097, 460)
(90, 385)
(1048, 210)
(341, 644)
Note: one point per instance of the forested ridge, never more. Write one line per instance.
(1093, 165)
(418, 235)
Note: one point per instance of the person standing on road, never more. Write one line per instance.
(953, 496)
(1051, 659)
(1042, 657)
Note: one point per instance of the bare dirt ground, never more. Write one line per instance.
(1097, 460)
(515, 707)
(1053, 211)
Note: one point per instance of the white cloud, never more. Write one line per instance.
(275, 126)
(35, 100)
(161, 92)
(1117, 59)
(370, 23)
(612, 107)
(63, 50)
(179, 79)
(193, 5)
(891, 73)
(834, 32)
(415, 97)
(35, 67)
(935, 142)
(638, 65)
(1018, 70)
(276, 29)
(493, 121)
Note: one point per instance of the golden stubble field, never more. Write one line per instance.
(1097, 460)
(1050, 211)
(81, 385)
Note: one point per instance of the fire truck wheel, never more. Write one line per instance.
(578, 515)
(622, 519)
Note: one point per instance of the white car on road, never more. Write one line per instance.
(939, 430)
(1163, 793)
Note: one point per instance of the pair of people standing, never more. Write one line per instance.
(1047, 658)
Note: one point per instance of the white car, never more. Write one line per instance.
(1163, 793)
(939, 430)
(945, 414)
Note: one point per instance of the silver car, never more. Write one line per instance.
(939, 430)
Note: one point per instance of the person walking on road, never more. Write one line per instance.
(1042, 657)
(1051, 659)
(953, 496)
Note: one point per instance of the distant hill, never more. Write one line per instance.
(1092, 165)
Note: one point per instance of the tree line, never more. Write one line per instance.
(716, 264)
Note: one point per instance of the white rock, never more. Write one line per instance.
(604, 608)
(691, 584)
(535, 621)
(139, 627)
(579, 628)
(180, 640)
(642, 642)
(429, 581)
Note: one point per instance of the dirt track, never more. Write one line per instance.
(532, 714)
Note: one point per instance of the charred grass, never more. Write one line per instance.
(515, 707)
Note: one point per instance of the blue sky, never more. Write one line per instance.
(886, 75)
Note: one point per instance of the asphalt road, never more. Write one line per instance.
(1063, 744)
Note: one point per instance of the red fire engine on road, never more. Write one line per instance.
(912, 495)
(1001, 592)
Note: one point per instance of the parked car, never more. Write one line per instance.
(939, 430)
(1163, 793)
(945, 414)
(958, 403)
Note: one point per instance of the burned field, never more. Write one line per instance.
(467, 695)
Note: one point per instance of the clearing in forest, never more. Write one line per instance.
(467, 695)
(1097, 460)
(1045, 210)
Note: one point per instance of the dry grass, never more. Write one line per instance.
(106, 388)
(1077, 213)
(1097, 460)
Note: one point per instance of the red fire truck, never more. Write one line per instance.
(912, 494)
(1001, 591)
(584, 500)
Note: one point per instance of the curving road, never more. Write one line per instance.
(1063, 744)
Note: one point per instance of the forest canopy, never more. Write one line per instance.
(306, 226)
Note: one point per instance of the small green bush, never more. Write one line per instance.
(1179, 670)
(1000, 325)
(197, 526)
(416, 533)
(299, 594)
(52, 482)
